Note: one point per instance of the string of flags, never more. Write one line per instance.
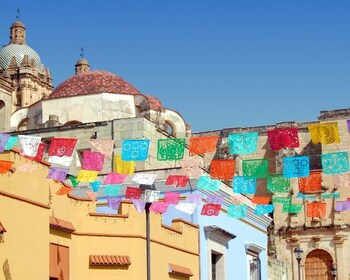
(61, 152)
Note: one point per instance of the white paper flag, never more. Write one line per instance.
(144, 178)
(186, 207)
(30, 144)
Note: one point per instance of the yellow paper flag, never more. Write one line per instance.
(123, 167)
(325, 133)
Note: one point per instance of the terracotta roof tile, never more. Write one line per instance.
(154, 102)
(61, 224)
(2, 228)
(180, 270)
(109, 260)
(93, 82)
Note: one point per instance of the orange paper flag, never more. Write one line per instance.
(316, 209)
(311, 183)
(261, 199)
(202, 145)
(222, 169)
(5, 166)
(64, 190)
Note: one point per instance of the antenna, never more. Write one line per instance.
(82, 52)
(18, 16)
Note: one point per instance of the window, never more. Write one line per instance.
(216, 265)
(254, 266)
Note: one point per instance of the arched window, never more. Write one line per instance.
(3, 115)
(72, 123)
(23, 124)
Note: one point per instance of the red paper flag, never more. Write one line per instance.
(132, 193)
(176, 181)
(222, 169)
(201, 145)
(261, 199)
(311, 183)
(62, 147)
(211, 209)
(283, 138)
(39, 154)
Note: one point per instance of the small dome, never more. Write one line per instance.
(18, 24)
(91, 82)
(18, 51)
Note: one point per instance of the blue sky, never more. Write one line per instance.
(220, 64)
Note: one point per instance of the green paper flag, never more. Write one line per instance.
(256, 168)
(278, 184)
(292, 208)
(74, 181)
(282, 200)
(171, 149)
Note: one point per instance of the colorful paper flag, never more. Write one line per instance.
(330, 195)
(256, 168)
(262, 209)
(124, 167)
(222, 169)
(278, 184)
(186, 207)
(283, 138)
(39, 155)
(104, 146)
(205, 183)
(87, 176)
(112, 190)
(132, 193)
(325, 133)
(150, 196)
(5, 166)
(316, 209)
(114, 178)
(335, 163)
(294, 167)
(4, 138)
(159, 207)
(177, 181)
(58, 173)
(135, 149)
(144, 178)
(282, 200)
(92, 161)
(261, 199)
(63, 160)
(311, 183)
(113, 202)
(306, 197)
(211, 209)
(62, 147)
(341, 206)
(194, 198)
(292, 208)
(73, 180)
(30, 144)
(11, 142)
(340, 180)
(243, 143)
(191, 168)
(202, 145)
(139, 205)
(172, 197)
(95, 185)
(237, 211)
(214, 199)
(244, 185)
(64, 190)
(171, 149)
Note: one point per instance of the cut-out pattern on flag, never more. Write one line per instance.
(172, 197)
(244, 185)
(73, 180)
(5, 166)
(144, 178)
(87, 176)
(237, 211)
(114, 178)
(282, 200)
(62, 147)
(311, 183)
(64, 160)
(177, 181)
(292, 208)
(330, 195)
(4, 138)
(341, 206)
(39, 155)
(283, 138)
(341, 180)
(295, 167)
(150, 196)
(262, 209)
(112, 190)
(104, 146)
(58, 173)
(278, 184)
(159, 207)
(27, 167)
(93, 161)
(243, 143)
(325, 133)
(171, 149)
(202, 145)
(11, 142)
(211, 209)
(191, 168)
(91, 195)
(256, 168)
(222, 169)
(30, 144)
(261, 199)
(64, 190)
(135, 149)
(194, 198)
(113, 202)
(132, 193)
(316, 209)
(124, 167)
(139, 205)
(306, 197)
(335, 163)
(186, 207)
(214, 199)
(204, 182)
(95, 185)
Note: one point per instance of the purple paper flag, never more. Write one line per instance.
(342, 206)
(3, 141)
(58, 173)
(214, 199)
(139, 205)
(113, 202)
(193, 198)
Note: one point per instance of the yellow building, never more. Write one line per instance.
(48, 236)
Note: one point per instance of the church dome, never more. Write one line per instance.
(18, 51)
(91, 82)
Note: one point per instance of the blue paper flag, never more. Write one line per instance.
(11, 142)
(95, 185)
(331, 195)
(295, 167)
(243, 143)
(335, 163)
(112, 190)
(205, 183)
(135, 149)
(307, 197)
(237, 211)
(262, 209)
(244, 185)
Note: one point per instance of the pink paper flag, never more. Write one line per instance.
(104, 146)
(172, 197)
(191, 168)
(159, 207)
(114, 178)
(93, 161)
(177, 181)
